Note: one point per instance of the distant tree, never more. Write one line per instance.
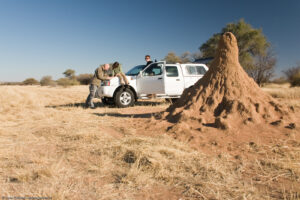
(67, 82)
(252, 43)
(69, 73)
(47, 81)
(290, 73)
(293, 75)
(186, 57)
(263, 70)
(84, 79)
(30, 81)
(12, 83)
(172, 58)
(296, 80)
(197, 55)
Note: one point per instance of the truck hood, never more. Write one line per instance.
(115, 81)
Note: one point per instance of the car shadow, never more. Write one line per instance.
(149, 103)
(76, 105)
(156, 115)
(101, 105)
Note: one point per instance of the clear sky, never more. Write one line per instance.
(40, 37)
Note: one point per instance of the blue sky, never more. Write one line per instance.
(39, 37)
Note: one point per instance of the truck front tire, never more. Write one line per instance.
(124, 98)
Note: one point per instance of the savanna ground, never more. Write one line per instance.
(50, 146)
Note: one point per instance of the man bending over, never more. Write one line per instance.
(101, 74)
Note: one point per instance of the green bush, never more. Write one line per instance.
(30, 81)
(67, 82)
(47, 81)
(295, 80)
(84, 79)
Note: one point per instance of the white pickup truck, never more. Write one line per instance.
(159, 80)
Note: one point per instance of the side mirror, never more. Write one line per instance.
(140, 74)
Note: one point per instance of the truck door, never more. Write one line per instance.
(151, 80)
(174, 83)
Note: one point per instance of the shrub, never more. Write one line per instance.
(84, 79)
(295, 80)
(30, 81)
(12, 83)
(291, 72)
(69, 73)
(47, 81)
(67, 82)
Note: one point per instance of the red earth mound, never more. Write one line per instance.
(226, 97)
(226, 109)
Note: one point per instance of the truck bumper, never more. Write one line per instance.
(105, 91)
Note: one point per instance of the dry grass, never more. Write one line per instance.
(51, 146)
(284, 93)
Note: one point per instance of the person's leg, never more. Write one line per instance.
(124, 78)
(89, 100)
(119, 75)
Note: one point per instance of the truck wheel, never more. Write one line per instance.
(107, 101)
(124, 98)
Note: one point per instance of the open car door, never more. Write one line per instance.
(151, 79)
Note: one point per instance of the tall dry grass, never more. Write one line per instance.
(284, 93)
(51, 146)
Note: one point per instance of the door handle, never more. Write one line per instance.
(178, 79)
(159, 78)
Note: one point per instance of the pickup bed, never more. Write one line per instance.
(159, 80)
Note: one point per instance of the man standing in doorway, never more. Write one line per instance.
(148, 60)
(101, 74)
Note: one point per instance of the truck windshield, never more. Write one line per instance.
(135, 71)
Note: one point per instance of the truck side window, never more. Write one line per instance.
(195, 70)
(153, 70)
(172, 71)
(191, 70)
(200, 70)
